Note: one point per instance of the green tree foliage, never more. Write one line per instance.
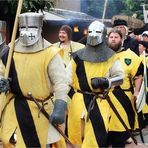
(134, 6)
(95, 7)
(8, 10)
(92, 7)
(8, 7)
(36, 5)
(114, 7)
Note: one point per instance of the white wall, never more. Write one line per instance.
(145, 16)
(73, 5)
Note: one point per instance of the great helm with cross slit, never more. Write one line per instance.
(30, 27)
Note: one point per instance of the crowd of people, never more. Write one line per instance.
(87, 92)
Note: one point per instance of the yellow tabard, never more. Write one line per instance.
(77, 109)
(32, 76)
(66, 53)
(130, 63)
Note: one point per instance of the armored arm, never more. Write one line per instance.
(58, 78)
(116, 74)
(113, 78)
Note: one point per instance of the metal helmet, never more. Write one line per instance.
(30, 27)
(2, 32)
(96, 33)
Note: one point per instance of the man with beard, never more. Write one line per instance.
(123, 96)
(128, 42)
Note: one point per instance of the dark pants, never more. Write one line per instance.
(145, 119)
(117, 139)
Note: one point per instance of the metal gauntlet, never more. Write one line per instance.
(102, 83)
(58, 114)
(4, 85)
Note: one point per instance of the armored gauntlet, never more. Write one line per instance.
(58, 114)
(102, 83)
(4, 85)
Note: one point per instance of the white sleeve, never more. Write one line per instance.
(58, 77)
(115, 74)
(69, 73)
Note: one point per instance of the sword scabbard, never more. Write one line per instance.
(48, 116)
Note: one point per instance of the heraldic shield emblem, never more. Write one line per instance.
(127, 61)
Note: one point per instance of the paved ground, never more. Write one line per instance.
(140, 144)
(132, 145)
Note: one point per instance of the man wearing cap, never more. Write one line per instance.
(128, 41)
(66, 44)
(37, 70)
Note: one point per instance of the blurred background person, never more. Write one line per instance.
(66, 44)
(145, 36)
(143, 46)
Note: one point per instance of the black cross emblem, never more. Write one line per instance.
(31, 36)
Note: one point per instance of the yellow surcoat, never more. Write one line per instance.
(31, 70)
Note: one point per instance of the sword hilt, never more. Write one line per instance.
(30, 95)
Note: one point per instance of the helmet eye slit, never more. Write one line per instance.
(96, 33)
(30, 27)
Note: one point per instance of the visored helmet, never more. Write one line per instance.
(30, 27)
(96, 33)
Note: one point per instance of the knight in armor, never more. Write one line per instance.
(92, 71)
(123, 96)
(36, 68)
